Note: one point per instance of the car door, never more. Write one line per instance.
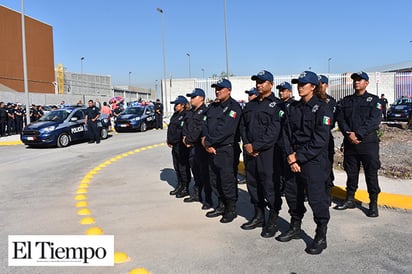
(78, 129)
(150, 112)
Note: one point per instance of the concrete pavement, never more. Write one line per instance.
(396, 193)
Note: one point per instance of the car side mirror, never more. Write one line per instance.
(74, 119)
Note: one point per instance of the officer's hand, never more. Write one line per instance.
(211, 150)
(249, 149)
(292, 158)
(352, 137)
(295, 168)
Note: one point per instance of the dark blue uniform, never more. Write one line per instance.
(198, 155)
(219, 132)
(306, 133)
(260, 126)
(92, 113)
(362, 115)
(180, 153)
(158, 115)
(331, 146)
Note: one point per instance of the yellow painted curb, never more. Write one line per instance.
(83, 211)
(82, 204)
(384, 199)
(80, 197)
(121, 257)
(94, 231)
(11, 143)
(87, 221)
(139, 270)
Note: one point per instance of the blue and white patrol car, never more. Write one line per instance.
(60, 128)
(137, 116)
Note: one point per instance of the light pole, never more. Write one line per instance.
(190, 72)
(329, 65)
(164, 94)
(203, 73)
(81, 65)
(129, 78)
(227, 53)
(25, 79)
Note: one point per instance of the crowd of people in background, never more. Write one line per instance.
(288, 149)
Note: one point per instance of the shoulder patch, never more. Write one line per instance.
(378, 106)
(369, 99)
(272, 105)
(232, 114)
(281, 112)
(315, 108)
(326, 120)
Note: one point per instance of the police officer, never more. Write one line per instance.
(18, 114)
(281, 167)
(158, 114)
(192, 133)
(222, 121)
(323, 86)
(260, 128)
(359, 116)
(91, 120)
(251, 94)
(3, 119)
(306, 137)
(180, 153)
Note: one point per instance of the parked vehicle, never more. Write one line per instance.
(137, 116)
(60, 128)
(400, 110)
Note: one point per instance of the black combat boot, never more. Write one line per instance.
(319, 243)
(349, 203)
(217, 211)
(294, 231)
(271, 227)
(258, 219)
(230, 212)
(194, 197)
(184, 191)
(373, 207)
(177, 189)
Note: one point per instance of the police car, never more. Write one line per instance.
(137, 116)
(400, 110)
(60, 128)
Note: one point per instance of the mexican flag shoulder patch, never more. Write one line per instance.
(379, 106)
(326, 120)
(232, 114)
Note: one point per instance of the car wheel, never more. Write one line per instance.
(143, 127)
(104, 133)
(63, 140)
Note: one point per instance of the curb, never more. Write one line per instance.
(384, 199)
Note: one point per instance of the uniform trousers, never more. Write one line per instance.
(180, 155)
(262, 186)
(221, 175)
(368, 155)
(312, 178)
(93, 131)
(199, 163)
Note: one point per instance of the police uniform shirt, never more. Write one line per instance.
(261, 122)
(92, 112)
(194, 125)
(175, 128)
(332, 106)
(360, 114)
(158, 108)
(307, 129)
(222, 121)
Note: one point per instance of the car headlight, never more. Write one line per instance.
(137, 118)
(48, 129)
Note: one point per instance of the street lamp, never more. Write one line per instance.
(164, 94)
(190, 72)
(329, 65)
(81, 65)
(227, 52)
(203, 73)
(129, 78)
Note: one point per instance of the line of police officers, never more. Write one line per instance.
(287, 148)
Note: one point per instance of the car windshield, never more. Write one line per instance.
(403, 101)
(56, 115)
(133, 110)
